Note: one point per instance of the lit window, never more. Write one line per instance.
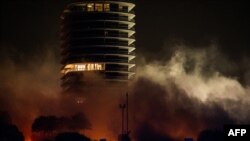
(90, 7)
(106, 33)
(83, 7)
(106, 7)
(78, 67)
(98, 7)
(120, 8)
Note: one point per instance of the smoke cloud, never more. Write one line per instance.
(169, 100)
(30, 87)
(186, 95)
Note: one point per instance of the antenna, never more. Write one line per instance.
(127, 112)
(122, 107)
(124, 136)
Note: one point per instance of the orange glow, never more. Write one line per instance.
(27, 135)
(180, 129)
(28, 139)
(96, 135)
(83, 67)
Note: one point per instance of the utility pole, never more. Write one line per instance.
(122, 107)
(124, 136)
(127, 112)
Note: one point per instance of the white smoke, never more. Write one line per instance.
(194, 71)
(33, 90)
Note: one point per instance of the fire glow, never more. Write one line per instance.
(161, 97)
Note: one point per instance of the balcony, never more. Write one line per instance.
(81, 26)
(98, 16)
(75, 37)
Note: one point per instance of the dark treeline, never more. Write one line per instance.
(8, 131)
(52, 123)
(71, 136)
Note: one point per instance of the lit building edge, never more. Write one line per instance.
(97, 36)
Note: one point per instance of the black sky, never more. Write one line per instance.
(195, 22)
(27, 25)
(30, 27)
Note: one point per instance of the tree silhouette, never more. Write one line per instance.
(48, 124)
(79, 122)
(71, 136)
(45, 124)
(210, 135)
(9, 132)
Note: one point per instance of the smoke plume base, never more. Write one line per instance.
(167, 99)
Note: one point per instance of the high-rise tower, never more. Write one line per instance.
(97, 37)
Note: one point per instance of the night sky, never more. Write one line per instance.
(26, 25)
(197, 23)
(31, 28)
